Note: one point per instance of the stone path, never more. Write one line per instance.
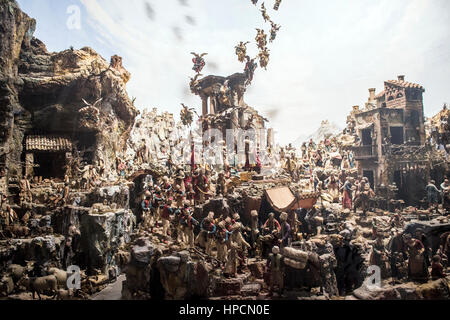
(112, 292)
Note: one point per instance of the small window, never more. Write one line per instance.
(390, 98)
(400, 95)
(397, 135)
(415, 118)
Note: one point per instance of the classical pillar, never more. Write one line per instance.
(204, 105)
(212, 105)
(270, 138)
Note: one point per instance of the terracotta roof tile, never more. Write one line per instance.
(47, 143)
(405, 84)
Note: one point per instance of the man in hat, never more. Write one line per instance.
(365, 197)
(432, 194)
(222, 236)
(236, 219)
(166, 186)
(185, 210)
(286, 234)
(238, 242)
(202, 237)
(274, 264)
(188, 223)
(166, 212)
(210, 229)
(179, 196)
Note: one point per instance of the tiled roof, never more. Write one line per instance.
(47, 143)
(405, 84)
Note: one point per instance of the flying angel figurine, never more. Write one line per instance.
(261, 39)
(198, 61)
(193, 84)
(277, 5)
(241, 50)
(264, 13)
(274, 31)
(250, 68)
(264, 58)
(187, 115)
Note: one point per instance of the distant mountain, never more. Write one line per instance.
(325, 130)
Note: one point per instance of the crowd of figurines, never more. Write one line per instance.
(168, 203)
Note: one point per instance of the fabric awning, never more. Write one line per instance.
(281, 199)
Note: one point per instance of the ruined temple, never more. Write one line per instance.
(223, 104)
(391, 129)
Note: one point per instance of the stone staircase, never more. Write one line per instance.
(247, 286)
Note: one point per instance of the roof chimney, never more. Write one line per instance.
(372, 94)
(401, 78)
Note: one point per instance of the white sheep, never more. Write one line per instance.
(60, 275)
(41, 285)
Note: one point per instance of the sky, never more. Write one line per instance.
(326, 55)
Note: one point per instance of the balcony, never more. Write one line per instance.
(364, 152)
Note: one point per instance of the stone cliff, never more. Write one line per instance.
(42, 92)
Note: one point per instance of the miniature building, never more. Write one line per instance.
(46, 156)
(223, 105)
(391, 129)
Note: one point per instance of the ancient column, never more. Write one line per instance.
(212, 105)
(204, 105)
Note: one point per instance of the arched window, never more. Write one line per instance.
(390, 98)
(400, 95)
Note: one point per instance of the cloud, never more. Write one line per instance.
(326, 54)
